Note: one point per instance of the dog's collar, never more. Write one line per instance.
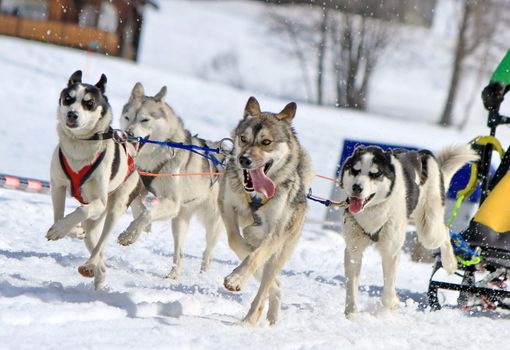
(101, 135)
(117, 135)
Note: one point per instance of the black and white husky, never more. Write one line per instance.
(98, 171)
(385, 189)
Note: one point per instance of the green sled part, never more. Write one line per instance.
(502, 72)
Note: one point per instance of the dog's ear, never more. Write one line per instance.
(359, 149)
(101, 84)
(389, 152)
(74, 78)
(161, 94)
(288, 112)
(138, 92)
(252, 108)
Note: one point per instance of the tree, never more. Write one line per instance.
(358, 42)
(350, 42)
(477, 25)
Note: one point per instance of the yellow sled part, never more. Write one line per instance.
(495, 210)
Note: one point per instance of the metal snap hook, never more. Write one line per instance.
(119, 136)
(227, 146)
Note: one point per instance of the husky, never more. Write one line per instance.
(263, 201)
(386, 188)
(98, 171)
(179, 197)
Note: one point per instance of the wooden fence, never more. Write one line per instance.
(65, 34)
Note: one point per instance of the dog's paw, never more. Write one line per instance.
(87, 270)
(351, 315)
(390, 301)
(448, 259)
(174, 273)
(99, 278)
(205, 265)
(127, 238)
(77, 232)
(233, 282)
(58, 231)
(272, 316)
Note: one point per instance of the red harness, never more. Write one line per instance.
(79, 178)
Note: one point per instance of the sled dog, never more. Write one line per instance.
(179, 197)
(384, 189)
(263, 202)
(98, 171)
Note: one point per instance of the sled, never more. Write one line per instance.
(483, 271)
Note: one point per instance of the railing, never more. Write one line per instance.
(65, 34)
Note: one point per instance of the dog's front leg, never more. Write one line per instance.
(269, 245)
(117, 205)
(235, 241)
(390, 261)
(352, 265)
(166, 208)
(62, 227)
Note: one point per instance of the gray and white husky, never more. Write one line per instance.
(384, 189)
(98, 171)
(179, 197)
(263, 202)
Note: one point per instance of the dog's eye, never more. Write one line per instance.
(126, 117)
(375, 175)
(266, 142)
(68, 99)
(243, 139)
(89, 104)
(355, 172)
(144, 120)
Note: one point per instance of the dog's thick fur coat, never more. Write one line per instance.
(268, 158)
(83, 112)
(179, 197)
(384, 189)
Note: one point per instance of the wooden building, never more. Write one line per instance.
(112, 27)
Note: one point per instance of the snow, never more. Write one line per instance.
(45, 303)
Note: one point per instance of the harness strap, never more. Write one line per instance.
(130, 162)
(255, 201)
(374, 237)
(79, 178)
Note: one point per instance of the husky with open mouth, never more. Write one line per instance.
(263, 202)
(386, 188)
(180, 197)
(98, 171)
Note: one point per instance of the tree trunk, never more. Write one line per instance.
(460, 54)
(320, 55)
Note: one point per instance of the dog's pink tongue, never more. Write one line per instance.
(261, 183)
(355, 205)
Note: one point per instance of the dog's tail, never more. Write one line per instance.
(452, 158)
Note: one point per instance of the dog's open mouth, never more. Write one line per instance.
(357, 205)
(257, 180)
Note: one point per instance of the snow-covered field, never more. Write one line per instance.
(45, 303)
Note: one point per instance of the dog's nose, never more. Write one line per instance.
(71, 115)
(356, 189)
(244, 161)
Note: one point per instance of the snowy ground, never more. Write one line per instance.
(45, 303)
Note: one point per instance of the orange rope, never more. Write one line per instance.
(327, 178)
(144, 173)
